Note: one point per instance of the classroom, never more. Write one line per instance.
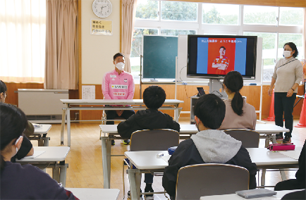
(59, 58)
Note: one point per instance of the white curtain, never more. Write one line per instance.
(22, 40)
(128, 15)
(61, 45)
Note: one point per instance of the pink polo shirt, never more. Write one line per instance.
(115, 86)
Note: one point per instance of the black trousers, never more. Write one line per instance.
(284, 106)
(112, 114)
(300, 195)
(291, 184)
(149, 178)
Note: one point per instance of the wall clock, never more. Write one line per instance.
(102, 8)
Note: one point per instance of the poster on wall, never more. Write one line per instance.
(100, 27)
(88, 92)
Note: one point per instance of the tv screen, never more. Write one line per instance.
(213, 56)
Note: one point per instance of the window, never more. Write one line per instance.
(291, 16)
(220, 14)
(276, 25)
(22, 39)
(260, 15)
(147, 9)
(179, 11)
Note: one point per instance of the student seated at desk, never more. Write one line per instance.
(208, 145)
(299, 182)
(238, 114)
(22, 181)
(151, 118)
(26, 146)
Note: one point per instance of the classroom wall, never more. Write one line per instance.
(98, 50)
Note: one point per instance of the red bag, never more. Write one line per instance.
(281, 147)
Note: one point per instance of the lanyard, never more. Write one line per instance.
(286, 63)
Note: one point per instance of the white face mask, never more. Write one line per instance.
(287, 54)
(17, 142)
(120, 66)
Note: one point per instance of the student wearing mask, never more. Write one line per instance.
(288, 73)
(22, 181)
(118, 84)
(26, 146)
(238, 114)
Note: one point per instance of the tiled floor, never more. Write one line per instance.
(85, 160)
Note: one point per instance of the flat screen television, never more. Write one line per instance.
(213, 56)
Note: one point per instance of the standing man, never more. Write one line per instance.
(221, 62)
(118, 84)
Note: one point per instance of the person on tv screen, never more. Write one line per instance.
(221, 62)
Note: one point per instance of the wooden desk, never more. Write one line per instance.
(278, 196)
(95, 193)
(149, 161)
(53, 157)
(40, 134)
(109, 132)
(99, 104)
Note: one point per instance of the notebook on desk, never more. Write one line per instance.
(249, 194)
(36, 154)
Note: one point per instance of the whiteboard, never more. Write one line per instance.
(181, 74)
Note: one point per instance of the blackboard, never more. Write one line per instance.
(159, 54)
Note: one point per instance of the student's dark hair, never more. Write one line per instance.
(3, 87)
(12, 124)
(222, 47)
(154, 97)
(210, 109)
(234, 82)
(293, 47)
(117, 55)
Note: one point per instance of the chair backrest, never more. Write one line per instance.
(194, 181)
(157, 139)
(249, 138)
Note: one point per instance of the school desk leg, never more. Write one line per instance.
(68, 128)
(105, 165)
(63, 171)
(133, 187)
(55, 173)
(263, 177)
(63, 125)
(46, 141)
(283, 175)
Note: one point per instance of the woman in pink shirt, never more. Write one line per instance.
(238, 114)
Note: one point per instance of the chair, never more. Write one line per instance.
(249, 138)
(157, 139)
(194, 181)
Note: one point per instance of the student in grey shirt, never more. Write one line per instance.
(288, 73)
